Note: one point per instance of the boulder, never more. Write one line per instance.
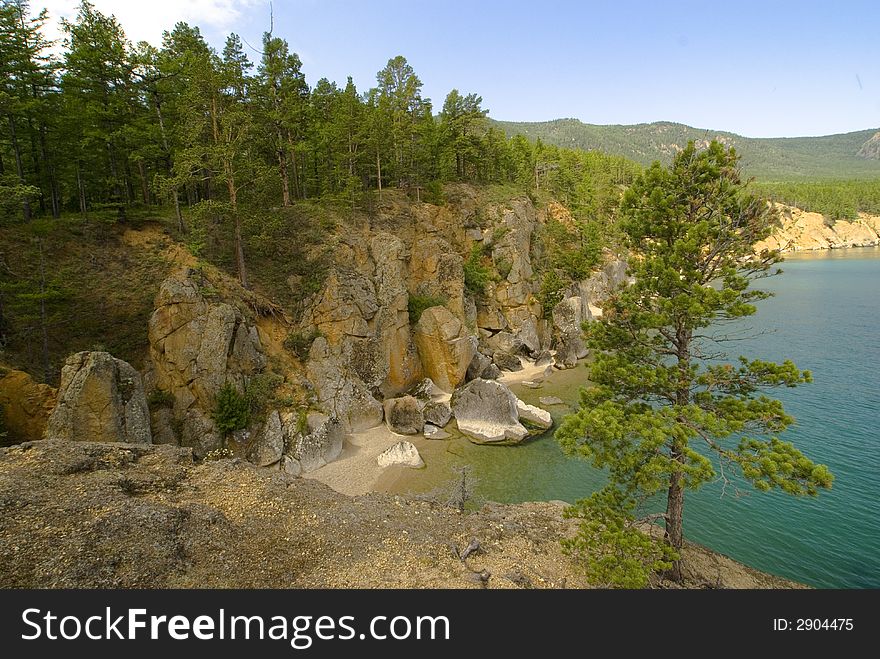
(444, 346)
(101, 399)
(340, 392)
(568, 316)
(534, 416)
(551, 400)
(404, 415)
(402, 453)
(197, 346)
(320, 443)
(544, 358)
(528, 335)
(433, 432)
(478, 366)
(290, 466)
(425, 390)
(162, 423)
(199, 433)
(267, 446)
(486, 411)
(507, 362)
(504, 342)
(491, 318)
(437, 413)
(25, 406)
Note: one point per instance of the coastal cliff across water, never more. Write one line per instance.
(801, 230)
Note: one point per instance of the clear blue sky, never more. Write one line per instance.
(756, 68)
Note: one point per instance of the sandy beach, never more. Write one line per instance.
(356, 471)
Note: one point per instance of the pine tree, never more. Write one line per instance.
(666, 413)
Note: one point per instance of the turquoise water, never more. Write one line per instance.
(826, 317)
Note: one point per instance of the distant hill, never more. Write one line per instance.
(844, 156)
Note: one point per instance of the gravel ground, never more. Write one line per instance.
(81, 514)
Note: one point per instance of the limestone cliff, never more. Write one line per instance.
(801, 230)
(26, 406)
(369, 346)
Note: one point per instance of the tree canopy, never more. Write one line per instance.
(668, 411)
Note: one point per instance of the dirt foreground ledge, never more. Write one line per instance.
(88, 515)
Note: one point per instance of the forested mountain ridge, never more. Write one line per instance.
(847, 155)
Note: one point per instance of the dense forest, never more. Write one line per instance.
(247, 163)
(107, 125)
(838, 157)
(839, 200)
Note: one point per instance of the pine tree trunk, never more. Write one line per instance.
(379, 175)
(674, 518)
(145, 186)
(80, 188)
(168, 165)
(47, 375)
(282, 172)
(239, 247)
(38, 167)
(25, 204)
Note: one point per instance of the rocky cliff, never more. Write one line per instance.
(417, 299)
(374, 340)
(800, 230)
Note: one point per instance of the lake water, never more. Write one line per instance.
(826, 317)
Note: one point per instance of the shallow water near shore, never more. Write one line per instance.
(826, 318)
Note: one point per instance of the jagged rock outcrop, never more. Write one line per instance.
(402, 453)
(404, 415)
(870, 150)
(101, 399)
(436, 270)
(196, 347)
(800, 230)
(445, 347)
(25, 405)
(315, 445)
(369, 351)
(489, 413)
(267, 447)
(340, 391)
(437, 413)
(581, 303)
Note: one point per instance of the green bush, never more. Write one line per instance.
(418, 303)
(299, 343)
(432, 193)
(575, 251)
(260, 391)
(232, 410)
(613, 550)
(552, 287)
(476, 275)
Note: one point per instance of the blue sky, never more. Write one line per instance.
(760, 69)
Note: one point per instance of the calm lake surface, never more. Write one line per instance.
(826, 317)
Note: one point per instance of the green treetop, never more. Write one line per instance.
(666, 413)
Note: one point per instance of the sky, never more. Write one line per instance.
(769, 68)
